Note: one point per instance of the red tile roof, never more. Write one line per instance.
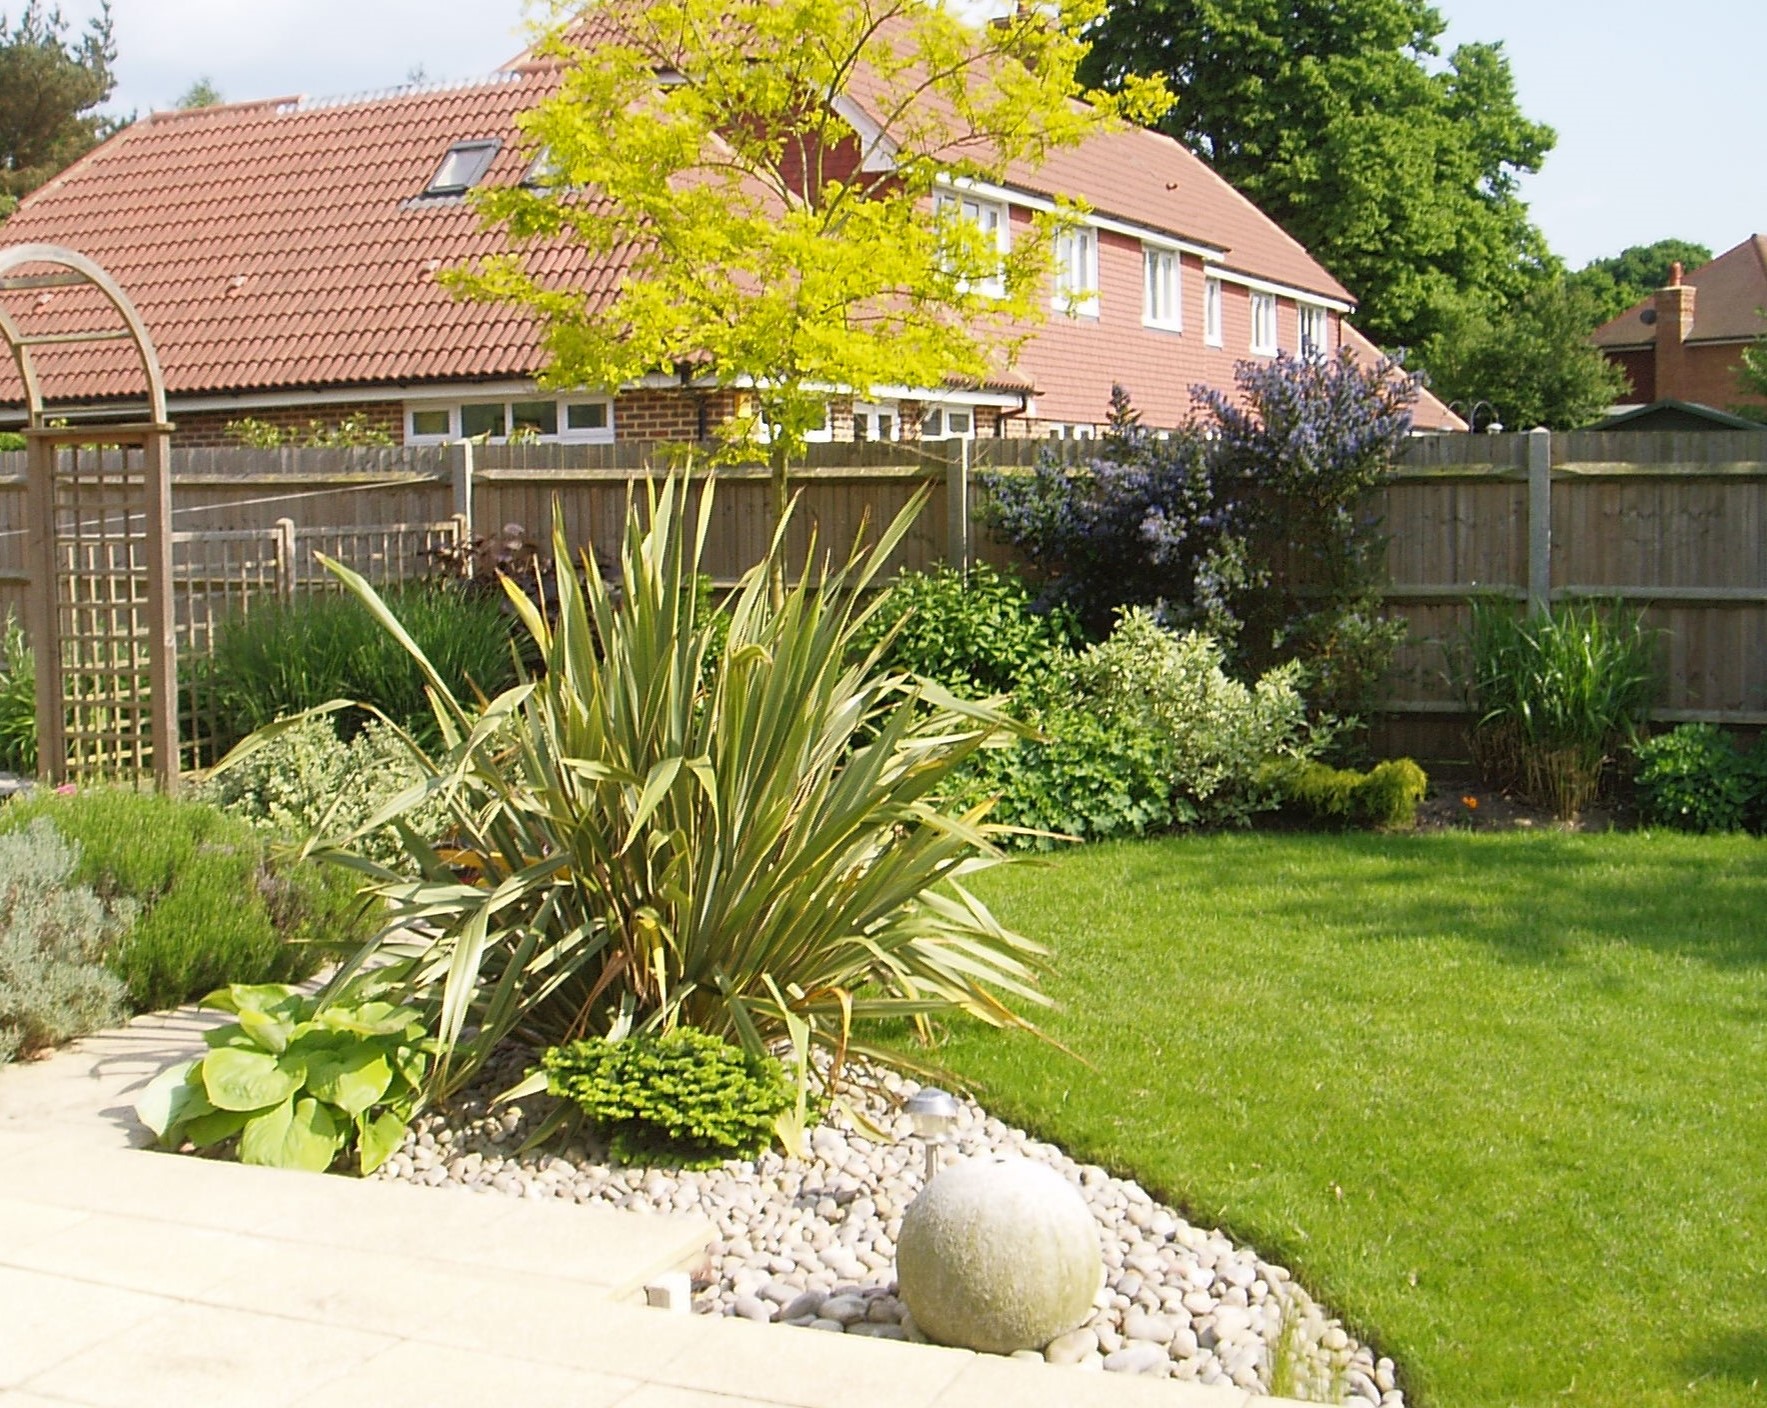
(1732, 293)
(286, 245)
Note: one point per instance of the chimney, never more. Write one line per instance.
(1674, 320)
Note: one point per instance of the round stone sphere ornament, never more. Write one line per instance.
(998, 1256)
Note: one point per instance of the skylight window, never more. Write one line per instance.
(463, 168)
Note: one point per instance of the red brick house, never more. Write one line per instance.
(1685, 342)
(284, 255)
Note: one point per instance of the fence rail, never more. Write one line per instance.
(1675, 524)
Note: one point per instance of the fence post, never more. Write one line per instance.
(461, 464)
(958, 542)
(1539, 522)
(285, 558)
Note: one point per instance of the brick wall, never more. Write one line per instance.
(205, 429)
(670, 415)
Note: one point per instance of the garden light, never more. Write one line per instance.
(933, 1114)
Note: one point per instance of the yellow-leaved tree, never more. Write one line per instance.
(774, 193)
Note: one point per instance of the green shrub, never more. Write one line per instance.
(299, 1083)
(1555, 697)
(307, 781)
(1384, 798)
(1081, 778)
(10, 439)
(682, 1098)
(748, 842)
(974, 633)
(1142, 731)
(1694, 779)
(18, 701)
(53, 934)
(212, 905)
(285, 658)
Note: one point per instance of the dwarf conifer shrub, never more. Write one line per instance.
(683, 1097)
(53, 936)
(1384, 798)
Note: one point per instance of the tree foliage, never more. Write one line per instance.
(200, 94)
(1339, 118)
(1751, 375)
(762, 248)
(51, 84)
(1532, 360)
(1614, 284)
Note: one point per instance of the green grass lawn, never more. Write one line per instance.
(1499, 1100)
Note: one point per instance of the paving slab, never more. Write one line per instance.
(132, 1279)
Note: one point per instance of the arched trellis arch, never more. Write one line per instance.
(101, 544)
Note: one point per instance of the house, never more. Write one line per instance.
(1685, 342)
(284, 255)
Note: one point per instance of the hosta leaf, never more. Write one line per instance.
(271, 1033)
(299, 1134)
(247, 1080)
(352, 1079)
(380, 1138)
(271, 999)
(215, 1126)
(170, 1098)
(230, 1035)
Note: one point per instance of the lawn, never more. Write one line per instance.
(1498, 1099)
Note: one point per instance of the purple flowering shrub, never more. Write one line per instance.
(1251, 522)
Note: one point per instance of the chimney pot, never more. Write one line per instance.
(1675, 272)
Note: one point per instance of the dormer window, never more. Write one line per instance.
(463, 168)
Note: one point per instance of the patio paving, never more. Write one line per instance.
(130, 1279)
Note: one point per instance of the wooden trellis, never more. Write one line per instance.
(100, 617)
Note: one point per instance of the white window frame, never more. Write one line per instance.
(1214, 312)
(870, 410)
(940, 418)
(1162, 288)
(974, 208)
(1314, 321)
(603, 435)
(1076, 272)
(1266, 333)
(824, 433)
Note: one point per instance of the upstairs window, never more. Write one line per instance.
(1315, 331)
(463, 168)
(1212, 312)
(991, 219)
(1076, 272)
(1162, 297)
(1264, 341)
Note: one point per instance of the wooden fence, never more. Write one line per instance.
(1673, 524)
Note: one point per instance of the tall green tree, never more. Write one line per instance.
(782, 180)
(1616, 283)
(1339, 118)
(1529, 359)
(51, 85)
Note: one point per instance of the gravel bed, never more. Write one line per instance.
(811, 1243)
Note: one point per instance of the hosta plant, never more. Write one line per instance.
(737, 826)
(298, 1082)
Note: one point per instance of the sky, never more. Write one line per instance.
(1661, 126)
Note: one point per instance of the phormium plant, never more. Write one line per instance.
(732, 826)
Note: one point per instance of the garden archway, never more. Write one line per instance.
(99, 526)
